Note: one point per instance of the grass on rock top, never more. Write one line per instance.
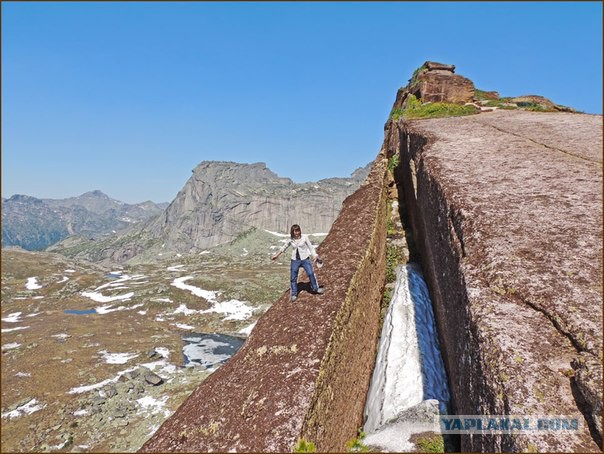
(415, 109)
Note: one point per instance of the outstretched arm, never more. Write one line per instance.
(283, 248)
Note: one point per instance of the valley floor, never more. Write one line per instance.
(93, 359)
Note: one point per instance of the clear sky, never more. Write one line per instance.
(128, 97)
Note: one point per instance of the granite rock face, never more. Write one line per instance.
(223, 199)
(506, 209)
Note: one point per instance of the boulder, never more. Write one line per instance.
(110, 391)
(153, 379)
(153, 355)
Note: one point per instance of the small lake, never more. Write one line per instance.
(80, 312)
(210, 350)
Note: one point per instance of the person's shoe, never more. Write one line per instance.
(320, 291)
(294, 298)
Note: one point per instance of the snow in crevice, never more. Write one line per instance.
(409, 384)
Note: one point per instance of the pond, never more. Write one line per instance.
(80, 312)
(210, 350)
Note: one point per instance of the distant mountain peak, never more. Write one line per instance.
(96, 193)
(24, 198)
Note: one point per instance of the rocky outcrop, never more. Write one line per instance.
(220, 201)
(436, 82)
(224, 199)
(305, 369)
(506, 212)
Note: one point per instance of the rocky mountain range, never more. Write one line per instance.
(35, 224)
(220, 201)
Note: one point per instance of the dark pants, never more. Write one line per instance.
(295, 266)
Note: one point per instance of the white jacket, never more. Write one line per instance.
(302, 245)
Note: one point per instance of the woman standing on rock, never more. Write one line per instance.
(302, 250)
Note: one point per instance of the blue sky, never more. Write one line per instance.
(128, 97)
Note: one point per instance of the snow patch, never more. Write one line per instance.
(153, 406)
(206, 294)
(117, 358)
(286, 235)
(13, 317)
(109, 308)
(11, 346)
(30, 407)
(183, 309)
(234, 309)
(175, 268)
(86, 388)
(32, 283)
(17, 328)
(162, 300)
(248, 329)
(99, 298)
(183, 326)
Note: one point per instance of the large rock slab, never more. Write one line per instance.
(507, 210)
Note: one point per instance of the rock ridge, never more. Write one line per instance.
(504, 207)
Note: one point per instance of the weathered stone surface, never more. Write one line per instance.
(223, 199)
(438, 87)
(506, 208)
(435, 66)
(541, 102)
(153, 379)
(435, 82)
(305, 369)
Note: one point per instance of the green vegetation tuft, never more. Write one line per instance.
(305, 446)
(501, 103)
(414, 78)
(431, 443)
(393, 163)
(394, 257)
(396, 114)
(356, 444)
(416, 109)
(480, 95)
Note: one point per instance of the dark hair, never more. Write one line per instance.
(294, 228)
